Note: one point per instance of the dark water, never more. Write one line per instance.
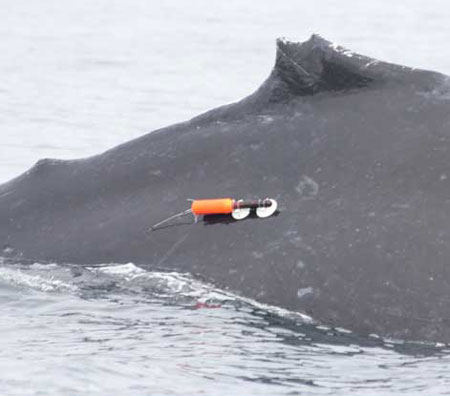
(79, 77)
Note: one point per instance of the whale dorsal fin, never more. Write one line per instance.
(318, 65)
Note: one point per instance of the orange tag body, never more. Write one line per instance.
(212, 206)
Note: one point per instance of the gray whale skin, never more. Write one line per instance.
(357, 153)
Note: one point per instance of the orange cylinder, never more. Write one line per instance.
(212, 206)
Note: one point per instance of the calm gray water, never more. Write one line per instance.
(78, 77)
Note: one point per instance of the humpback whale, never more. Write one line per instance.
(354, 150)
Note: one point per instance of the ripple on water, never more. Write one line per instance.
(123, 329)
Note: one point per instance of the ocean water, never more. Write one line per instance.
(79, 77)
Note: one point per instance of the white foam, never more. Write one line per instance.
(17, 277)
(184, 284)
(127, 270)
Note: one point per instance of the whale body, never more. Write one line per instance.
(355, 151)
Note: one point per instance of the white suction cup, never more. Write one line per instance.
(269, 211)
(240, 214)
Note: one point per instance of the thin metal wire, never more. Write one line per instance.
(171, 218)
